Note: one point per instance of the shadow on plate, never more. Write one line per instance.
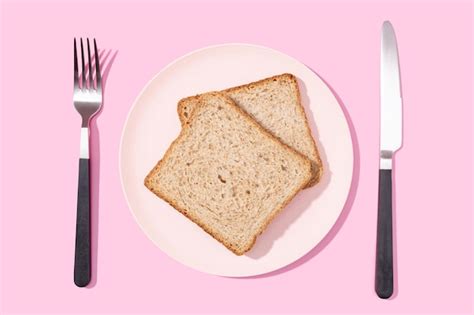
(303, 200)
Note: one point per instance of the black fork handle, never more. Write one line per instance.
(82, 260)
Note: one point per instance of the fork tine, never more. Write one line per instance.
(76, 68)
(90, 80)
(97, 68)
(83, 67)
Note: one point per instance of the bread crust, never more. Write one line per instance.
(317, 167)
(184, 131)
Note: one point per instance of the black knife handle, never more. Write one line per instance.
(82, 259)
(384, 255)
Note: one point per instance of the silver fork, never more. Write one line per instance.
(87, 101)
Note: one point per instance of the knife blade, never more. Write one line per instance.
(390, 142)
(390, 94)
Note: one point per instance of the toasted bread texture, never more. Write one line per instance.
(228, 174)
(275, 103)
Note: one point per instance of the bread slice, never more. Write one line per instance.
(228, 174)
(276, 105)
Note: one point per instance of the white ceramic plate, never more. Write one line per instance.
(153, 124)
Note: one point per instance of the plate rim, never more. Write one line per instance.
(171, 64)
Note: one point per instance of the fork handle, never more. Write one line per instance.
(82, 260)
(384, 255)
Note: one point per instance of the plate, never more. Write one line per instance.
(153, 124)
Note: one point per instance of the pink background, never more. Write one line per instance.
(340, 40)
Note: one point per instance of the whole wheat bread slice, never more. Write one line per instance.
(228, 174)
(276, 105)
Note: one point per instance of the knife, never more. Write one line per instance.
(390, 142)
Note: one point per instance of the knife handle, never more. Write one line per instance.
(82, 260)
(384, 254)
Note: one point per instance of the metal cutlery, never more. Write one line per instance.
(87, 100)
(390, 142)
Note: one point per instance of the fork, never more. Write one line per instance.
(87, 101)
